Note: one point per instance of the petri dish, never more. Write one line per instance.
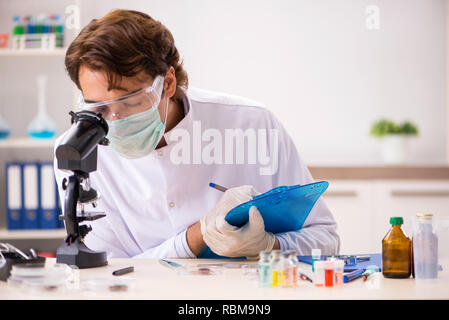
(107, 284)
(28, 270)
(32, 277)
(250, 272)
(201, 271)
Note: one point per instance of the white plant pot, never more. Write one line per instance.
(395, 149)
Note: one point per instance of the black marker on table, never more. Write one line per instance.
(123, 271)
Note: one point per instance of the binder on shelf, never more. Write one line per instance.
(48, 204)
(14, 195)
(30, 195)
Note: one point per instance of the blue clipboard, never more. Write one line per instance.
(283, 209)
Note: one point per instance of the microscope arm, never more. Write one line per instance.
(71, 200)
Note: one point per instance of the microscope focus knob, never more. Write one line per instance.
(84, 230)
(64, 184)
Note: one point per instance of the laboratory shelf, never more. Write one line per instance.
(26, 142)
(32, 52)
(32, 234)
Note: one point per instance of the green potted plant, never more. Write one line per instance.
(394, 138)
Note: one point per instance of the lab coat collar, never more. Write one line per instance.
(185, 123)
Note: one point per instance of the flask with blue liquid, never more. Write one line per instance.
(42, 126)
(4, 128)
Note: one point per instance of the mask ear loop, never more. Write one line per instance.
(166, 113)
(166, 107)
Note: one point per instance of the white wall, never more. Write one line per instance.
(314, 63)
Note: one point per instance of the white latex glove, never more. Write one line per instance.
(231, 198)
(227, 240)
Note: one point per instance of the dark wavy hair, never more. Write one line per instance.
(122, 44)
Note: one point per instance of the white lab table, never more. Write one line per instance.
(155, 282)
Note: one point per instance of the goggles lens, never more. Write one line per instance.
(127, 105)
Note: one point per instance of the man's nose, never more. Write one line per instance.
(115, 116)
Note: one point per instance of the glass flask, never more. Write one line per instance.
(5, 130)
(42, 126)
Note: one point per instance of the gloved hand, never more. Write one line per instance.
(230, 199)
(227, 240)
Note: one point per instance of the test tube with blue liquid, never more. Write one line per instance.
(42, 126)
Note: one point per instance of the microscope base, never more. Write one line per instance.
(80, 255)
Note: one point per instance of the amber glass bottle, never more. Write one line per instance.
(396, 251)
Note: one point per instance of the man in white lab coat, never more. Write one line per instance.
(169, 141)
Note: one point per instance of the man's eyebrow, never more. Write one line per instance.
(94, 101)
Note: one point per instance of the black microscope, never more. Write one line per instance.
(77, 152)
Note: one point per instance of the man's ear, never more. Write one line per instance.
(169, 83)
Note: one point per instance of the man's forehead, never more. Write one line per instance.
(96, 84)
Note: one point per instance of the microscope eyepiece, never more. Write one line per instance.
(78, 148)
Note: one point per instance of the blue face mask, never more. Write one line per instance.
(137, 135)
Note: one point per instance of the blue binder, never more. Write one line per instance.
(30, 195)
(48, 205)
(283, 209)
(14, 195)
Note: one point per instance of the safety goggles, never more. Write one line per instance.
(129, 104)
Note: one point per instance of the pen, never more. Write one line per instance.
(217, 186)
(353, 275)
(170, 264)
(122, 271)
(370, 270)
(367, 274)
(303, 276)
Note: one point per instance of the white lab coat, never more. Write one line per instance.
(151, 201)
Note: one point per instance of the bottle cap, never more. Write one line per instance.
(264, 254)
(424, 215)
(396, 220)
